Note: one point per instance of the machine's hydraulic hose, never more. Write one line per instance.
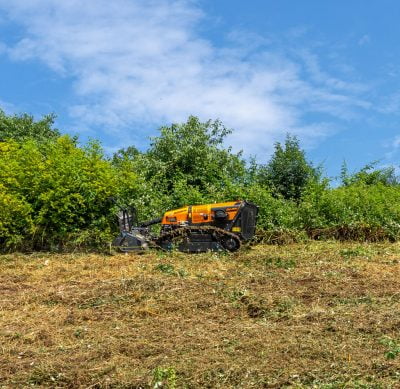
(151, 222)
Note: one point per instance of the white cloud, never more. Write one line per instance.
(142, 62)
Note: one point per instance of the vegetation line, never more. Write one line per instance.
(54, 192)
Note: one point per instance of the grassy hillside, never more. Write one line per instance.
(323, 315)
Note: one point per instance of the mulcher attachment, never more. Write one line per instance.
(131, 241)
(131, 237)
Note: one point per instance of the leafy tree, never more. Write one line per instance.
(24, 126)
(194, 151)
(186, 163)
(288, 172)
(124, 154)
(370, 175)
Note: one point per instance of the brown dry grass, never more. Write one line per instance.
(323, 315)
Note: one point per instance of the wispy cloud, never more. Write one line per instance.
(390, 104)
(394, 146)
(364, 40)
(8, 108)
(136, 63)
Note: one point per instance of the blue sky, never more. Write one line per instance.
(326, 71)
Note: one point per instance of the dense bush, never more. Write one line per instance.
(358, 206)
(15, 219)
(55, 193)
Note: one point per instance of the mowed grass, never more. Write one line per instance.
(321, 314)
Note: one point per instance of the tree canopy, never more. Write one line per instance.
(370, 175)
(288, 172)
(24, 126)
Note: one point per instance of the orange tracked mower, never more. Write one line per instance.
(193, 228)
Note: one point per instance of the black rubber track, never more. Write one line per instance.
(184, 232)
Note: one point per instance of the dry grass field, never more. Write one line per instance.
(319, 315)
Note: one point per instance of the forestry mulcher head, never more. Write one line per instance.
(193, 228)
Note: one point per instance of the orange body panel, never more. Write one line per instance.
(199, 214)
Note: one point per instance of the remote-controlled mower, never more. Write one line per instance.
(193, 228)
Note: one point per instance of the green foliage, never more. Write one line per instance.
(393, 348)
(23, 127)
(369, 175)
(169, 269)
(352, 252)
(288, 172)
(355, 205)
(55, 193)
(15, 219)
(192, 156)
(186, 164)
(124, 155)
(164, 377)
(284, 263)
(194, 152)
(274, 212)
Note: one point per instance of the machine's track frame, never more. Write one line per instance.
(219, 234)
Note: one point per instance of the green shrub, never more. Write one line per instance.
(15, 220)
(61, 192)
(369, 207)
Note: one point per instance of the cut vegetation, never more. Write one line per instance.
(323, 315)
